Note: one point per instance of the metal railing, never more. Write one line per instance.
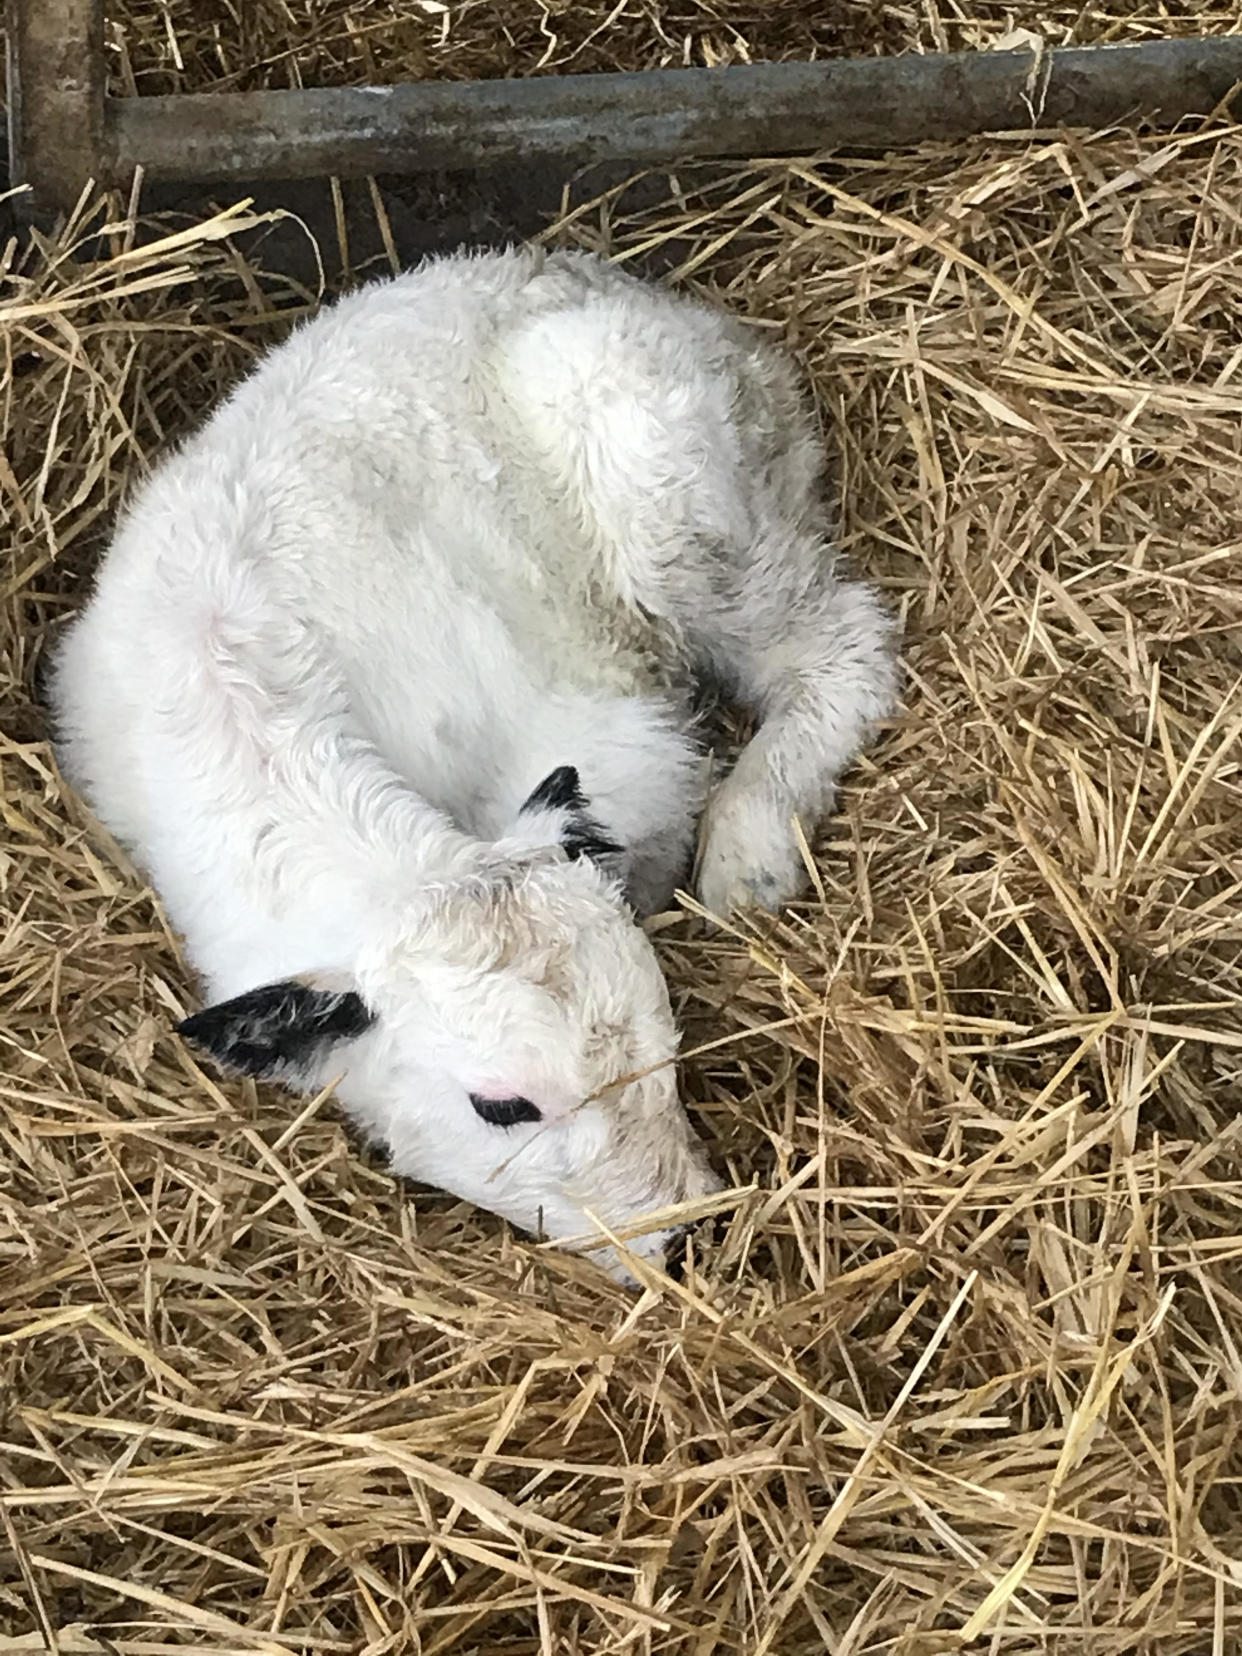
(64, 129)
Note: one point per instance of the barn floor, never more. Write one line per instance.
(959, 1367)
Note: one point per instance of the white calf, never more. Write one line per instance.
(387, 679)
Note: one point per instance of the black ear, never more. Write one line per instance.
(579, 834)
(560, 790)
(279, 1031)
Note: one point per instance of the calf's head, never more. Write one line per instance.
(509, 1038)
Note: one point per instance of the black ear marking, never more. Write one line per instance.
(276, 1032)
(580, 834)
(560, 790)
(584, 837)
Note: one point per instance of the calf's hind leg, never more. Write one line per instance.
(814, 657)
(690, 450)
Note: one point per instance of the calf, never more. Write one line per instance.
(389, 681)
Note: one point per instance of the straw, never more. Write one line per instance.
(197, 45)
(964, 1368)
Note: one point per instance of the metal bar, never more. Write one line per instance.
(763, 109)
(55, 53)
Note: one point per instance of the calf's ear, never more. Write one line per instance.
(279, 1031)
(559, 809)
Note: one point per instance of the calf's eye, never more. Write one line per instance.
(504, 1112)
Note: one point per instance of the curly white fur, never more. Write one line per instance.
(488, 519)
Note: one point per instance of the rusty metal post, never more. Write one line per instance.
(663, 114)
(64, 131)
(55, 52)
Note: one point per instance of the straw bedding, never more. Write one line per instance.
(241, 45)
(960, 1366)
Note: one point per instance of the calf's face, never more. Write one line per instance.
(511, 1042)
